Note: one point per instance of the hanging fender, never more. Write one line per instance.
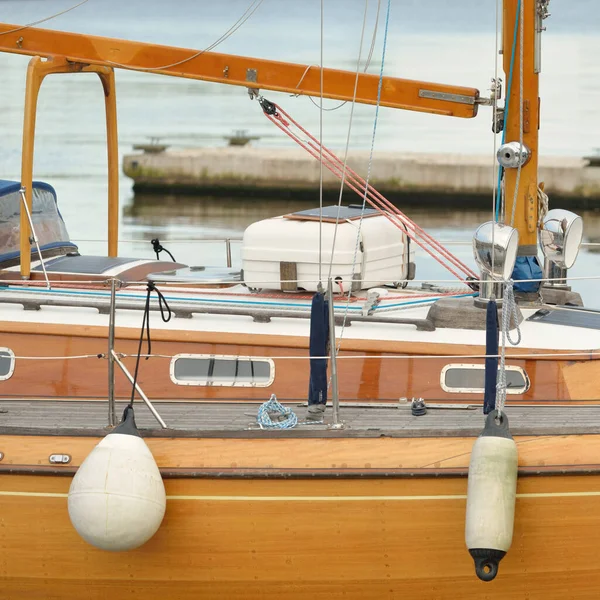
(491, 495)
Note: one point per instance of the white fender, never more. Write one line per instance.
(491, 495)
(117, 498)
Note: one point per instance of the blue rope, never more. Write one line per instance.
(263, 418)
(508, 88)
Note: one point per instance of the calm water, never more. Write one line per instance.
(448, 42)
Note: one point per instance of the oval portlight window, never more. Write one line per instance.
(225, 371)
(7, 363)
(470, 379)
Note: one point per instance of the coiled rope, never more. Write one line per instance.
(165, 313)
(272, 407)
(285, 418)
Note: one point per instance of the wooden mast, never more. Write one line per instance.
(526, 212)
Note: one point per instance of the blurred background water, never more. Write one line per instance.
(446, 42)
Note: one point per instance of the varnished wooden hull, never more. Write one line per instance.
(306, 518)
(320, 538)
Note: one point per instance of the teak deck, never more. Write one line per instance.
(238, 420)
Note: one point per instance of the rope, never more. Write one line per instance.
(58, 14)
(273, 408)
(245, 16)
(72, 357)
(521, 29)
(543, 207)
(372, 48)
(364, 201)
(506, 104)
(437, 251)
(158, 248)
(509, 311)
(165, 313)
(366, 67)
(345, 163)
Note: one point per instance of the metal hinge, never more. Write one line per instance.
(59, 459)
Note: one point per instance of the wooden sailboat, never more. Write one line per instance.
(373, 507)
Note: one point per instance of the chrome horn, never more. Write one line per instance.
(560, 238)
(495, 249)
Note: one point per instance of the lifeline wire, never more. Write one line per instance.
(513, 356)
(58, 14)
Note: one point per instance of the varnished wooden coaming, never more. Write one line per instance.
(372, 377)
(335, 455)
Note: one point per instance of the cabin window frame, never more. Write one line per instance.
(222, 383)
(13, 359)
(481, 367)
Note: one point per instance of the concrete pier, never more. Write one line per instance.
(266, 171)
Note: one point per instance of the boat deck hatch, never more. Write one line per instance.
(566, 315)
(330, 213)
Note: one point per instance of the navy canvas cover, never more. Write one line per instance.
(47, 221)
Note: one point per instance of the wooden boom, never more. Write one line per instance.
(449, 100)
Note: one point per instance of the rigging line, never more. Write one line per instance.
(373, 39)
(33, 23)
(376, 199)
(358, 180)
(337, 218)
(366, 67)
(364, 201)
(395, 217)
(254, 5)
(327, 109)
(506, 103)
(521, 35)
(321, 155)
